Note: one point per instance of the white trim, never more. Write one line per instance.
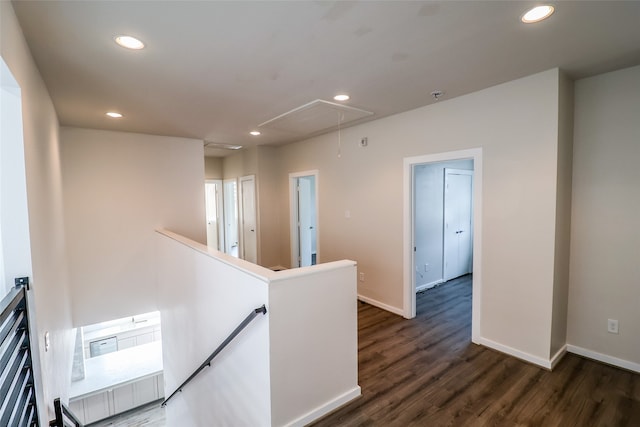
(558, 356)
(219, 211)
(240, 192)
(424, 287)
(326, 408)
(224, 216)
(376, 303)
(293, 214)
(604, 358)
(543, 363)
(409, 285)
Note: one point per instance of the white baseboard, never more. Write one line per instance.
(558, 356)
(394, 310)
(604, 358)
(326, 408)
(543, 363)
(428, 285)
(568, 348)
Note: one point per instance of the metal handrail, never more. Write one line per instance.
(63, 413)
(226, 342)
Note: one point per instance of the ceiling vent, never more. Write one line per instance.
(210, 144)
(314, 117)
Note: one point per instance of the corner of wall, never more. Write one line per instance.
(563, 214)
(213, 167)
(269, 207)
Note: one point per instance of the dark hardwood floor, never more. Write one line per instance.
(426, 372)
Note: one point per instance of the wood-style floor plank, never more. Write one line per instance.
(426, 372)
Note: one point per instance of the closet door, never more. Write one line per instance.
(458, 234)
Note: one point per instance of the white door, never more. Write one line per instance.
(305, 227)
(304, 214)
(458, 236)
(230, 217)
(248, 219)
(215, 225)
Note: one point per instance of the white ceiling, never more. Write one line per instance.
(215, 70)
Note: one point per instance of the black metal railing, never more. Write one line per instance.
(226, 342)
(64, 416)
(17, 391)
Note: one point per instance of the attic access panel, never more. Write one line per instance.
(316, 116)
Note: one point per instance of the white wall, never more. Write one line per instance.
(242, 163)
(605, 227)
(50, 298)
(213, 167)
(270, 212)
(429, 218)
(314, 341)
(516, 124)
(288, 367)
(120, 187)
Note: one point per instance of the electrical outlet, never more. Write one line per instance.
(612, 326)
(427, 267)
(362, 277)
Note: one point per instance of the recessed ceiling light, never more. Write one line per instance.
(129, 42)
(254, 133)
(537, 14)
(341, 97)
(114, 115)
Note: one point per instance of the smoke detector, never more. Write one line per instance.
(437, 94)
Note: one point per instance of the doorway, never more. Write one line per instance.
(214, 214)
(304, 214)
(248, 234)
(433, 203)
(412, 211)
(15, 252)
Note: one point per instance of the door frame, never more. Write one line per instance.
(241, 234)
(409, 284)
(293, 215)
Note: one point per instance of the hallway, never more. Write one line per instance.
(426, 371)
